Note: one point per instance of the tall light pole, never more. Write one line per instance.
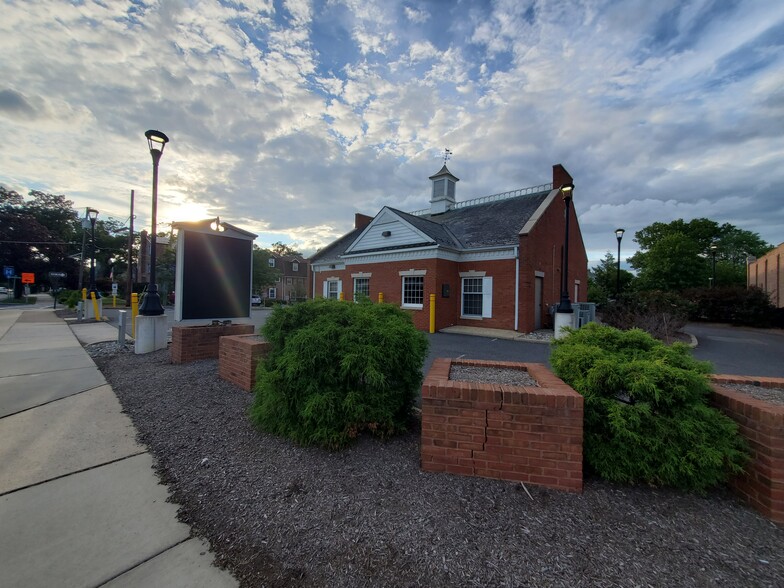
(151, 305)
(563, 314)
(92, 214)
(618, 235)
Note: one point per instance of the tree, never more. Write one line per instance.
(603, 278)
(679, 255)
(280, 249)
(38, 235)
(263, 274)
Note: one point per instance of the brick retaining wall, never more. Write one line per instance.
(762, 424)
(238, 357)
(527, 434)
(201, 342)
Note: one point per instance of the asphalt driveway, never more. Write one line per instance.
(739, 350)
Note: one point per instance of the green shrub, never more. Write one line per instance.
(661, 314)
(647, 418)
(338, 368)
(736, 305)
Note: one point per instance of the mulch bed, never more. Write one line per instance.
(280, 515)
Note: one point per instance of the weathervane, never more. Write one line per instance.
(447, 154)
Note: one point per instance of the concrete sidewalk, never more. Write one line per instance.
(79, 502)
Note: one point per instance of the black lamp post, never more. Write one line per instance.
(713, 254)
(92, 214)
(565, 306)
(151, 305)
(618, 235)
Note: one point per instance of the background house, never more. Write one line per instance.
(291, 284)
(492, 262)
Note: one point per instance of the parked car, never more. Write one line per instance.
(255, 300)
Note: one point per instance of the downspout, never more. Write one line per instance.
(517, 287)
(313, 273)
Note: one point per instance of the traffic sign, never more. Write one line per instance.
(8, 271)
(114, 288)
(28, 278)
(56, 274)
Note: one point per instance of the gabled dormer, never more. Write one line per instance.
(443, 195)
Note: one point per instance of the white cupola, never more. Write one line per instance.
(443, 197)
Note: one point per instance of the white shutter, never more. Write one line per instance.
(340, 288)
(326, 289)
(487, 297)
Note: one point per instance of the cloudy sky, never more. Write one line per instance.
(288, 116)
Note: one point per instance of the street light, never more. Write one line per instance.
(151, 305)
(713, 253)
(92, 214)
(565, 306)
(618, 235)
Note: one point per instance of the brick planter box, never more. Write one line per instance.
(238, 356)
(526, 434)
(195, 343)
(762, 424)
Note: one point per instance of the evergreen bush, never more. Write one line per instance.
(647, 418)
(338, 368)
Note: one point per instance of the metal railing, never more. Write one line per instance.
(492, 198)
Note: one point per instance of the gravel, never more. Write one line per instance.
(772, 395)
(491, 375)
(281, 515)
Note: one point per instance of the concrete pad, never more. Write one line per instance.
(7, 319)
(74, 434)
(89, 333)
(19, 393)
(188, 565)
(87, 528)
(17, 363)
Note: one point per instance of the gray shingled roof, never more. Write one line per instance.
(481, 225)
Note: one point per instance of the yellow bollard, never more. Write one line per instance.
(381, 298)
(96, 312)
(432, 313)
(84, 293)
(342, 296)
(134, 312)
(114, 301)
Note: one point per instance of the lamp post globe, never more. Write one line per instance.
(92, 214)
(151, 305)
(618, 235)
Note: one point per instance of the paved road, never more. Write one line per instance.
(740, 350)
(468, 346)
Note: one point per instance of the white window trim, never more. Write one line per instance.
(473, 274)
(362, 275)
(326, 287)
(356, 277)
(411, 274)
(274, 292)
(294, 266)
(487, 296)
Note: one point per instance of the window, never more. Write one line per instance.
(272, 293)
(295, 267)
(477, 297)
(332, 289)
(413, 291)
(271, 262)
(472, 296)
(361, 287)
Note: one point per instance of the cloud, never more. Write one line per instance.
(287, 117)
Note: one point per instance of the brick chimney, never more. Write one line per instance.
(361, 220)
(561, 176)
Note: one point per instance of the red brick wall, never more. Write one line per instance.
(532, 435)
(541, 251)
(238, 356)
(767, 273)
(762, 424)
(195, 343)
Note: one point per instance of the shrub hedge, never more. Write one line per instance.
(337, 368)
(647, 418)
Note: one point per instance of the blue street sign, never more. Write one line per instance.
(8, 271)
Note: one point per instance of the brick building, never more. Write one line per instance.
(765, 273)
(291, 285)
(491, 262)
